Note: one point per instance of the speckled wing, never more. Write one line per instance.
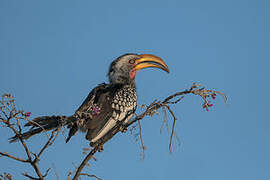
(123, 103)
(93, 112)
(104, 107)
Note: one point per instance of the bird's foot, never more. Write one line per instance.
(123, 129)
(100, 147)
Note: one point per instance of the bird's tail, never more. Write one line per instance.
(44, 123)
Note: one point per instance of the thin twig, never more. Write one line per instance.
(30, 177)
(33, 178)
(90, 175)
(55, 172)
(165, 120)
(85, 161)
(48, 143)
(141, 140)
(173, 127)
(13, 157)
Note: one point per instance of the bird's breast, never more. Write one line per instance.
(123, 102)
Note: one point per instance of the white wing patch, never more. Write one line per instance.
(111, 123)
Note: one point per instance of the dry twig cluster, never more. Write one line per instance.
(11, 118)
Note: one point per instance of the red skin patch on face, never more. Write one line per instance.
(132, 74)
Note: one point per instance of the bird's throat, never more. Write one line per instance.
(132, 74)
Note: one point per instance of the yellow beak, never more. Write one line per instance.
(149, 60)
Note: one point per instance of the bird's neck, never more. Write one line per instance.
(131, 84)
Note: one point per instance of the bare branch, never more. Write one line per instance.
(8, 109)
(30, 177)
(141, 140)
(173, 127)
(55, 172)
(13, 157)
(90, 175)
(8, 112)
(48, 143)
(150, 111)
(165, 120)
(33, 178)
(85, 161)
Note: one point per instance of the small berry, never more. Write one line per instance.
(27, 114)
(214, 96)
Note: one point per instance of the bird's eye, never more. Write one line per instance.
(132, 61)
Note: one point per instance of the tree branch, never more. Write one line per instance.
(141, 140)
(85, 161)
(48, 143)
(9, 112)
(150, 111)
(13, 157)
(173, 127)
(90, 175)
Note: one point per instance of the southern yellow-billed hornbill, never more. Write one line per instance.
(106, 105)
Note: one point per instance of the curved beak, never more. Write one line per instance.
(149, 60)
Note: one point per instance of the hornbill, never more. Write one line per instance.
(105, 106)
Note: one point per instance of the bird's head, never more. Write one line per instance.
(123, 70)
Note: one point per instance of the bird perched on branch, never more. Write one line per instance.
(106, 105)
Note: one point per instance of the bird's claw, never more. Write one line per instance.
(123, 129)
(100, 147)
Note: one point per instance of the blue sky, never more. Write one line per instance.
(53, 53)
